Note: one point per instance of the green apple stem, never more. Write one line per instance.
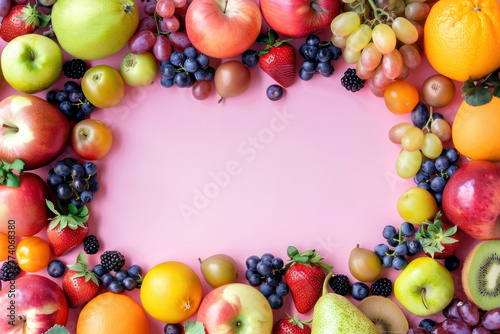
(422, 296)
(325, 283)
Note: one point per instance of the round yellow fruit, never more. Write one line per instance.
(417, 205)
(94, 29)
(171, 292)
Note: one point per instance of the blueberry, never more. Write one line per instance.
(93, 186)
(439, 198)
(392, 242)
(79, 115)
(107, 279)
(389, 232)
(64, 191)
(79, 184)
(336, 52)
(428, 167)
(61, 96)
(190, 65)
(54, 180)
(77, 171)
(324, 54)
(275, 301)
(381, 249)
(267, 257)
(414, 246)
(99, 270)
(421, 177)
(87, 196)
(200, 74)
(121, 275)
(62, 169)
(210, 73)
(324, 67)
(399, 263)
(451, 170)
(70, 162)
(277, 263)
(427, 324)
(310, 52)
(181, 80)
(329, 74)
(166, 82)
(266, 290)
(190, 52)
(163, 64)
(56, 268)
(250, 272)
(424, 185)
(387, 261)
(442, 163)
(401, 249)
(452, 263)
(203, 61)
(250, 58)
(452, 155)
(90, 168)
(77, 202)
(309, 66)
(264, 268)
(282, 289)
(302, 50)
(87, 107)
(129, 283)
(407, 229)
(273, 280)
(252, 261)
(274, 92)
(75, 96)
(168, 71)
(359, 291)
(438, 183)
(255, 280)
(135, 271)
(420, 115)
(51, 97)
(177, 58)
(313, 40)
(116, 287)
(305, 75)
(172, 329)
(71, 86)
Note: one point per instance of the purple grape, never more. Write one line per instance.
(450, 311)
(468, 312)
(179, 40)
(491, 319)
(4, 7)
(453, 326)
(141, 42)
(162, 48)
(417, 330)
(480, 330)
(438, 329)
(147, 23)
(149, 8)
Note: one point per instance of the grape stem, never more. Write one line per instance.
(427, 125)
(381, 16)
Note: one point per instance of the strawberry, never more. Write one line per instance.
(278, 59)
(22, 20)
(305, 277)
(439, 238)
(291, 325)
(80, 284)
(67, 230)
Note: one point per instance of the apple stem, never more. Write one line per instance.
(199, 259)
(318, 8)
(10, 127)
(225, 6)
(220, 100)
(422, 296)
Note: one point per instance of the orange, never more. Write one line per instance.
(462, 38)
(475, 131)
(33, 254)
(113, 313)
(171, 292)
(4, 246)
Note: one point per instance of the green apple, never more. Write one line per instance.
(31, 63)
(424, 287)
(138, 70)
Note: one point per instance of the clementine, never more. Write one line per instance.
(475, 130)
(462, 38)
(113, 313)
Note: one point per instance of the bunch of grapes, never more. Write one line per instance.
(266, 273)
(71, 100)
(162, 29)
(380, 37)
(318, 57)
(74, 182)
(462, 317)
(393, 254)
(186, 69)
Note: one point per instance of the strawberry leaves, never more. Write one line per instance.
(307, 258)
(434, 237)
(7, 177)
(194, 327)
(33, 17)
(73, 219)
(296, 322)
(270, 41)
(82, 269)
(478, 93)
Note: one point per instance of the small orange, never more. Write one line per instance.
(33, 254)
(475, 131)
(4, 246)
(462, 38)
(401, 97)
(113, 313)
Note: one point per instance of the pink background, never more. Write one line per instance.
(324, 181)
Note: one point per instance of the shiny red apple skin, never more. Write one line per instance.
(299, 18)
(39, 305)
(25, 205)
(41, 135)
(235, 308)
(223, 28)
(471, 199)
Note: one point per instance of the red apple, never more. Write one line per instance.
(23, 208)
(223, 28)
(32, 305)
(91, 139)
(32, 130)
(299, 18)
(235, 308)
(471, 199)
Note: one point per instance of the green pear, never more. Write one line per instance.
(336, 314)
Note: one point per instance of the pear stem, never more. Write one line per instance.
(422, 296)
(325, 283)
(199, 259)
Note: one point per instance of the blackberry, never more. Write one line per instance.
(9, 271)
(340, 284)
(382, 287)
(91, 245)
(351, 81)
(112, 260)
(74, 68)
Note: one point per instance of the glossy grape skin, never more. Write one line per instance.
(380, 81)
(359, 38)
(370, 57)
(397, 132)
(412, 139)
(350, 56)
(454, 326)
(162, 48)
(147, 23)
(480, 330)
(442, 129)
(201, 90)
(232, 78)
(468, 312)
(344, 24)
(384, 38)
(149, 8)
(420, 115)
(417, 330)
(491, 319)
(404, 30)
(419, 28)
(338, 41)
(361, 72)
(417, 11)
(386, 5)
(374, 89)
(141, 42)
(438, 329)
(179, 3)
(170, 24)
(408, 163)
(392, 64)
(411, 56)
(405, 73)
(165, 8)
(179, 40)
(399, 8)
(432, 146)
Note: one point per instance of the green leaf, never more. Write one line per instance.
(310, 252)
(194, 327)
(57, 329)
(93, 277)
(83, 211)
(325, 266)
(448, 240)
(496, 91)
(43, 20)
(481, 96)
(449, 232)
(53, 224)
(468, 85)
(79, 274)
(316, 258)
(292, 252)
(301, 259)
(493, 78)
(273, 34)
(51, 207)
(262, 38)
(63, 222)
(74, 267)
(12, 180)
(81, 258)
(72, 209)
(72, 224)
(18, 165)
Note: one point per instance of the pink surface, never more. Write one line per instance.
(313, 170)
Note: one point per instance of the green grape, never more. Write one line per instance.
(384, 38)
(359, 38)
(370, 57)
(399, 8)
(338, 41)
(344, 24)
(405, 31)
(432, 146)
(412, 139)
(408, 163)
(351, 57)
